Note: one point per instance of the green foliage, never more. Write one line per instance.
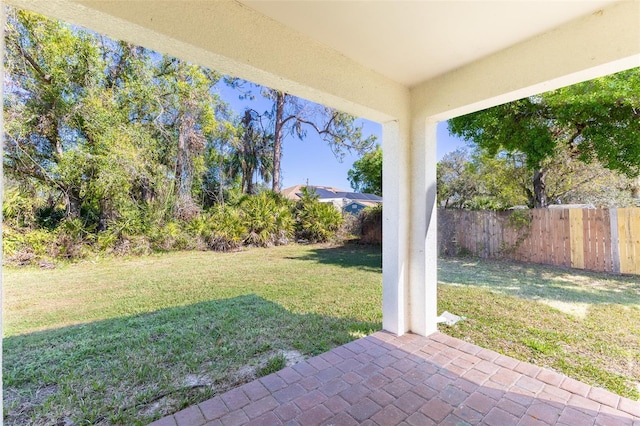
(27, 244)
(172, 236)
(593, 122)
(479, 181)
(519, 219)
(112, 148)
(366, 174)
(315, 221)
(267, 218)
(371, 213)
(73, 240)
(224, 229)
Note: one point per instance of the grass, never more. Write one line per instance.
(125, 341)
(585, 325)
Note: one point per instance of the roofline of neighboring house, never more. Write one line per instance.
(293, 193)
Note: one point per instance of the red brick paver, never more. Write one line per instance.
(385, 380)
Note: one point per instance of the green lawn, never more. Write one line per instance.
(128, 340)
(585, 325)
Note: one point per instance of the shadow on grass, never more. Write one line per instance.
(132, 370)
(365, 257)
(541, 282)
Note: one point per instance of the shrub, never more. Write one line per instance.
(19, 208)
(371, 225)
(224, 230)
(267, 218)
(349, 230)
(315, 221)
(174, 235)
(73, 240)
(23, 246)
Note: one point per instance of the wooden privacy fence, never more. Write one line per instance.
(594, 239)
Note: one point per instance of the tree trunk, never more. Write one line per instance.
(74, 203)
(249, 182)
(635, 189)
(106, 214)
(540, 188)
(186, 208)
(248, 158)
(180, 158)
(277, 140)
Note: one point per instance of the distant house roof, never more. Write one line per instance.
(328, 192)
(293, 191)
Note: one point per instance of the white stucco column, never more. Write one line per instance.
(423, 249)
(395, 230)
(409, 258)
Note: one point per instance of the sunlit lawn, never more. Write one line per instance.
(585, 325)
(129, 340)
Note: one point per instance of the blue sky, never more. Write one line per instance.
(311, 160)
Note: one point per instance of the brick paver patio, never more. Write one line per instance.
(412, 380)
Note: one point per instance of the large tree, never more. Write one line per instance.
(366, 174)
(295, 116)
(594, 120)
(480, 181)
(188, 116)
(292, 116)
(105, 127)
(50, 71)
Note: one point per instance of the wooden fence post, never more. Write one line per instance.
(615, 241)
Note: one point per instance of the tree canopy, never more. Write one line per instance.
(107, 143)
(292, 116)
(366, 174)
(478, 181)
(597, 120)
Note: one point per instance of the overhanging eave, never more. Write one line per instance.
(603, 43)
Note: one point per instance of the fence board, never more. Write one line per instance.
(606, 241)
(576, 232)
(557, 220)
(635, 232)
(536, 240)
(625, 252)
(615, 241)
(586, 239)
(628, 225)
(635, 237)
(567, 239)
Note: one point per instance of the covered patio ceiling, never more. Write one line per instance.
(365, 56)
(411, 42)
(405, 64)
